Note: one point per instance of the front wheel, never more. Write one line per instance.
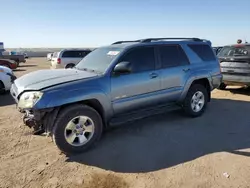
(77, 128)
(196, 100)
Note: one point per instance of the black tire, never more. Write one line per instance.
(187, 102)
(17, 63)
(222, 86)
(70, 66)
(2, 90)
(64, 117)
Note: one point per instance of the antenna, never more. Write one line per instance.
(246, 41)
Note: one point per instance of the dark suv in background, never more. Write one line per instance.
(235, 65)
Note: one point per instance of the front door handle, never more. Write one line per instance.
(153, 75)
(186, 69)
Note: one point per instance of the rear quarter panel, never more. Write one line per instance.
(200, 69)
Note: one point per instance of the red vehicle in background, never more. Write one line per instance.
(8, 63)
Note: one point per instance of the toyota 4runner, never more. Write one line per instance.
(115, 84)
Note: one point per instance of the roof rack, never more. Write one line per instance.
(125, 41)
(158, 39)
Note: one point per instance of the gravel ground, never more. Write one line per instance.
(168, 150)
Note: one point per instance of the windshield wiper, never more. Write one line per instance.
(90, 70)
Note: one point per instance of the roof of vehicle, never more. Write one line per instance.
(75, 49)
(242, 44)
(152, 41)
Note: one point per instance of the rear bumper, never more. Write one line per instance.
(236, 80)
(56, 66)
(216, 81)
(13, 66)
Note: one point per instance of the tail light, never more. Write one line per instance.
(58, 60)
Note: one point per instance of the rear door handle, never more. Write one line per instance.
(186, 69)
(153, 75)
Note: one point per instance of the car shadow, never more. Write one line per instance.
(19, 70)
(241, 90)
(27, 65)
(170, 139)
(6, 99)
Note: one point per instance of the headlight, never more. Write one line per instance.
(29, 99)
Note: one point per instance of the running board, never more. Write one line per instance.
(140, 114)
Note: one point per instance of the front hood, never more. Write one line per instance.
(45, 78)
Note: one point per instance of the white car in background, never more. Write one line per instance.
(7, 77)
(49, 56)
(68, 58)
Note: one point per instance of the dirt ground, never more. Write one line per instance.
(168, 150)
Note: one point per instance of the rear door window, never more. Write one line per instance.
(204, 51)
(172, 56)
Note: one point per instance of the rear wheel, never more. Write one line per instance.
(77, 128)
(196, 100)
(70, 66)
(222, 86)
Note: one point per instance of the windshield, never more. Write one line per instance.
(99, 59)
(234, 51)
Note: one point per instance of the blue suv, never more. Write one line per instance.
(118, 83)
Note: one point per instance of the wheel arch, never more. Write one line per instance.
(205, 81)
(69, 65)
(52, 114)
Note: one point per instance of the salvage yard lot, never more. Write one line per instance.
(168, 150)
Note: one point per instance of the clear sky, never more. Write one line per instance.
(91, 23)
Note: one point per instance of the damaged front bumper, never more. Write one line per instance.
(41, 121)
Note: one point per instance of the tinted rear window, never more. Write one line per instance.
(234, 51)
(205, 52)
(76, 54)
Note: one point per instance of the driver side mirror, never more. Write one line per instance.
(123, 67)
